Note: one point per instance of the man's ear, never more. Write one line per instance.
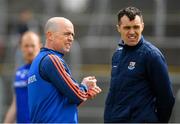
(118, 28)
(142, 26)
(49, 36)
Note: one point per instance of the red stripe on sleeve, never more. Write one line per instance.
(57, 62)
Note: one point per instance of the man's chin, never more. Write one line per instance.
(67, 51)
(28, 61)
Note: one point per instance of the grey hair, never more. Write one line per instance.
(51, 25)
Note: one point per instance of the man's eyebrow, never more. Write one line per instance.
(131, 26)
(69, 33)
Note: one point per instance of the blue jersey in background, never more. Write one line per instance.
(20, 85)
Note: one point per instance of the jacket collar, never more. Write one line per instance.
(52, 51)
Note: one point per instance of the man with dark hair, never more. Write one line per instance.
(140, 89)
(130, 12)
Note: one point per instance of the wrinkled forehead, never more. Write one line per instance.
(67, 27)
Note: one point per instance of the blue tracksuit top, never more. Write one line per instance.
(53, 94)
(140, 88)
(21, 94)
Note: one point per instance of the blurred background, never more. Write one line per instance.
(95, 41)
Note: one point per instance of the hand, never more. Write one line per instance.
(93, 92)
(90, 81)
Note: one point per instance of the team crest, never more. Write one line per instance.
(131, 65)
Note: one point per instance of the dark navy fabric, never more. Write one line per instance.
(140, 88)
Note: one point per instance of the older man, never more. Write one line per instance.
(53, 94)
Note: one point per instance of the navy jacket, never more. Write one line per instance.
(140, 88)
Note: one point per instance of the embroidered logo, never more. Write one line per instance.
(120, 48)
(115, 66)
(131, 65)
(32, 79)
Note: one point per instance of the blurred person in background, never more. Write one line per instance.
(18, 111)
(26, 22)
(2, 50)
(54, 95)
(140, 89)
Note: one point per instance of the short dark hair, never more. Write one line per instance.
(130, 12)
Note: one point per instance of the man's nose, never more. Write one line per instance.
(30, 49)
(131, 31)
(71, 38)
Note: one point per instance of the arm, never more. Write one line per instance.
(161, 85)
(52, 70)
(10, 116)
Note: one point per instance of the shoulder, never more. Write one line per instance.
(21, 67)
(51, 59)
(46, 60)
(118, 50)
(22, 71)
(151, 50)
(21, 76)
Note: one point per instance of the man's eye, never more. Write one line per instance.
(127, 28)
(26, 46)
(69, 34)
(136, 27)
(66, 34)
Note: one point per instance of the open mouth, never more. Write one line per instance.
(68, 45)
(132, 37)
